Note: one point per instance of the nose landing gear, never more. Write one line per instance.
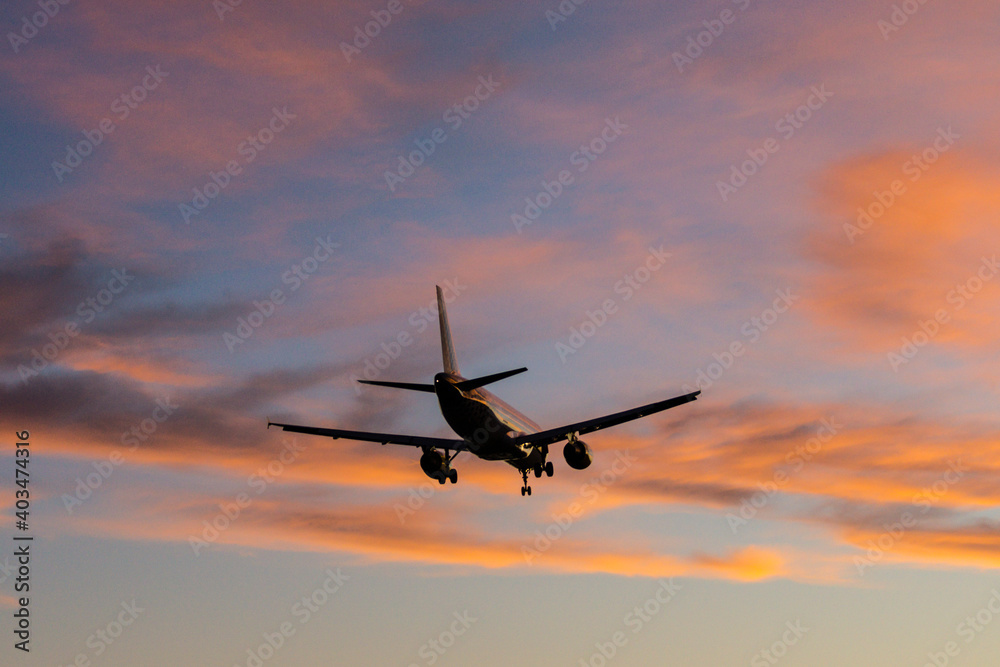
(544, 466)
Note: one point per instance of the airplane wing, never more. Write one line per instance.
(384, 438)
(554, 435)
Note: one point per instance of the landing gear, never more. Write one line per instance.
(543, 467)
(451, 475)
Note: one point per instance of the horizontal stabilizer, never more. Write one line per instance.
(401, 385)
(476, 383)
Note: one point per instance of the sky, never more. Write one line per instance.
(217, 213)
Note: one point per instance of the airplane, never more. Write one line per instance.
(488, 427)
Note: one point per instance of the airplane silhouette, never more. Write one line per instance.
(488, 427)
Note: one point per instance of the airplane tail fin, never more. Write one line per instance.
(447, 349)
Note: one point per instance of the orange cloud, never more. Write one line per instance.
(444, 536)
(847, 484)
(891, 260)
(976, 545)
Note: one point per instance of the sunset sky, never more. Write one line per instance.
(215, 213)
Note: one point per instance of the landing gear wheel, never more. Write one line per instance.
(548, 468)
(538, 471)
(441, 479)
(525, 489)
(453, 476)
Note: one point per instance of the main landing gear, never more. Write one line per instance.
(544, 466)
(547, 468)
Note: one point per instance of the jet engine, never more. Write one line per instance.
(435, 465)
(577, 454)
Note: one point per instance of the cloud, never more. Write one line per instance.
(890, 261)
(973, 545)
(372, 533)
(345, 496)
(162, 340)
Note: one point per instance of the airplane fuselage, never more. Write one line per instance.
(486, 423)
